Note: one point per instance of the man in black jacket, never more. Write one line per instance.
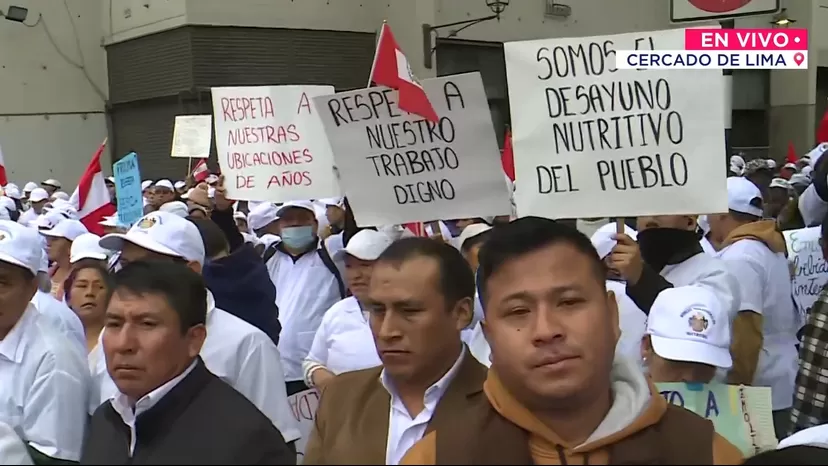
(170, 409)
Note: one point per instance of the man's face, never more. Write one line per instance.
(414, 327)
(777, 199)
(297, 217)
(358, 275)
(162, 195)
(552, 327)
(111, 188)
(57, 248)
(678, 222)
(49, 189)
(144, 344)
(335, 214)
(16, 290)
(38, 206)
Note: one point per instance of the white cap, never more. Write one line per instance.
(262, 215)
(603, 238)
(333, 201)
(67, 229)
(60, 195)
(470, 232)
(164, 184)
(48, 220)
(30, 186)
(307, 205)
(816, 436)
(4, 214)
(212, 178)
(800, 179)
(789, 165)
(13, 192)
(176, 207)
(20, 246)
(770, 163)
(65, 208)
(145, 184)
(689, 323)
(86, 246)
(163, 233)
(742, 196)
(38, 195)
(51, 182)
(780, 183)
(807, 170)
(179, 184)
(111, 221)
(8, 203)
(366, 245)
(110, 179)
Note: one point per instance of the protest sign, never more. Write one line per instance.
(742, 415)
(397, 167)
(809, 271)
(128, 189)
(590, 140)
(303, 406)
(271, 145)
(192, 136)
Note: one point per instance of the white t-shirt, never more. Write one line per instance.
(711, 273)
(765, 282)
(343, 342)
(62, 317)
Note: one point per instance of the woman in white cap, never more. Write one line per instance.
(343, 341)
(87, 291)
(59, 240)
(37, 201)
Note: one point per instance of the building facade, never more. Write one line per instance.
(154, 59)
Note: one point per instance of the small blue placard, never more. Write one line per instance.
(128, 189)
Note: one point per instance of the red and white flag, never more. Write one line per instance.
(91, 196)
(418, 228)
(200, 171)
(391, 69)
(3, 180)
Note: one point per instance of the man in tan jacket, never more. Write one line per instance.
(555, 394)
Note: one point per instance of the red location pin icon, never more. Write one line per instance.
(799, 58)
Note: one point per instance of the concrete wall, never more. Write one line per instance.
(53, 80)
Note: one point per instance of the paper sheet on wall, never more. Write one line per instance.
(192, 136)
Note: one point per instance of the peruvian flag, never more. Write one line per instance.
(91, 196)
(200, 171)
(507, 157)
(3, 180)
(418, 228)
(391, 69)
(822, 130)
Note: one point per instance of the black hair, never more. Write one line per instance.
(475, 240)
(215, 242)
(742, 217)
(181, 287)
(526, 235)
(800, 454)
(456, 278)
(84, 264)
(351, 228)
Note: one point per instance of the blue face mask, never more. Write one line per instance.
(298, 237)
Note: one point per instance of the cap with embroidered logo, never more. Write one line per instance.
(690, 324)
(162, 233)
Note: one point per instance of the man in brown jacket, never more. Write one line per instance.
(555, 394)
(420, 299)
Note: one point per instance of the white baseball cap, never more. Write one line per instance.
(12, 191)
(164, 184)
(307, 205)
(179, 184)
(176, 207)
(475, 229)
(790, 166)
(603, 239)
(333, 201)
(51, 182)
(110, 179)
(8, 203)
(262, 215)
(20, 246)
(145, 184)
(67, 229)
(29, 187)
(86, 246)
(60, 195)
(163, 233)
(38, 195)
(816, 436)
(800, 179)
(744, 197)
(689, 323)
(49, 219)
(780, 183)
(366, 245)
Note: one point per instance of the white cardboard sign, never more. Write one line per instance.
(398, 168)
(192, 136)
(809, 271)
(271, 144)
(593, 141)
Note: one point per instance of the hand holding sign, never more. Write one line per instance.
(220, 199)
(626, 258)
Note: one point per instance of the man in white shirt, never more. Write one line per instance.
(239, 353)
(764, 332)
(54, 311)
(307, 282)
(44, 383)
(12, 449)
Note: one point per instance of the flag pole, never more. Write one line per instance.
(376, 49)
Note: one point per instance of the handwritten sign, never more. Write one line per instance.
(303, 406)
(397, 168)
(590, 140)
(808, 268)
(271, 144)
(128, 189)
(192, 136)
(740, 414)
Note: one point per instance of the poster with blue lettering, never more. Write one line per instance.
(740, 414)
(128, 189)
(592, 140)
